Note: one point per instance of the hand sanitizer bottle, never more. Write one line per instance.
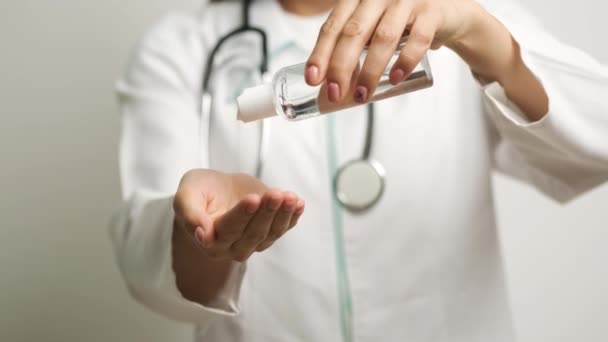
(291, 98)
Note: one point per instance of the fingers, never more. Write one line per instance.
(316, 67)
(230, 226)
(281, 222)
(300, 206)
(259, 226)
(335, 58)
(254, 224)
(345, 58)
(296, 213)
(418, 43)
(383, 43)
(283, 217)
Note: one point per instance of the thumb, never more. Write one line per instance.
(190, 207)
(205, 233)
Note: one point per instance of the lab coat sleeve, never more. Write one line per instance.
(159, 143)
(566, 153)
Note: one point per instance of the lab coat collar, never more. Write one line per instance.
(272, 18)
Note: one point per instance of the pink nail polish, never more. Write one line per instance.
(300, 100)
(361, 94)
(312, 74)
(396, 76)
(333, 92)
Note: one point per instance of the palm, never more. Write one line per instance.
(234, 215)
(224, 193)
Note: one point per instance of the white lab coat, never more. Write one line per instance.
(425, 263)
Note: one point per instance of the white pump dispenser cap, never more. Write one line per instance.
(256, 103)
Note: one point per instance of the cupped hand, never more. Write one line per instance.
(354, 23)
(231, 216)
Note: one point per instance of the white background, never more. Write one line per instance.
(59, 185)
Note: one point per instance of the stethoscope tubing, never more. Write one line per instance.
(205, 106)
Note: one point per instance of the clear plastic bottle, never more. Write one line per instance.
(290, 97)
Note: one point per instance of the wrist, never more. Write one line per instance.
(486, 46)
(473, 17)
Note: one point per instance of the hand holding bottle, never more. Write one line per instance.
(381, 23)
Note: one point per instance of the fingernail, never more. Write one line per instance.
(289, 206)
(274, 204)
(302, 206)
(333, 92)
(251, 208)
(361, 94)
(397, 76)
(312, 74)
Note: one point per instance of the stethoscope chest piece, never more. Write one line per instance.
(359, 184)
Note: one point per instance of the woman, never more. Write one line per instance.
(201, 241)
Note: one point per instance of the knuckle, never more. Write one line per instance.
(274, 236)
(241, 257)
(352, 28)
(337, 70)
(385, 36)
(407, 59)
(421, 38)
(330, 27)
(253, 238)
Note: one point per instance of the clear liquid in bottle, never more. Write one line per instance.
(290, 97)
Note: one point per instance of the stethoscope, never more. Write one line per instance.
(357, 185)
